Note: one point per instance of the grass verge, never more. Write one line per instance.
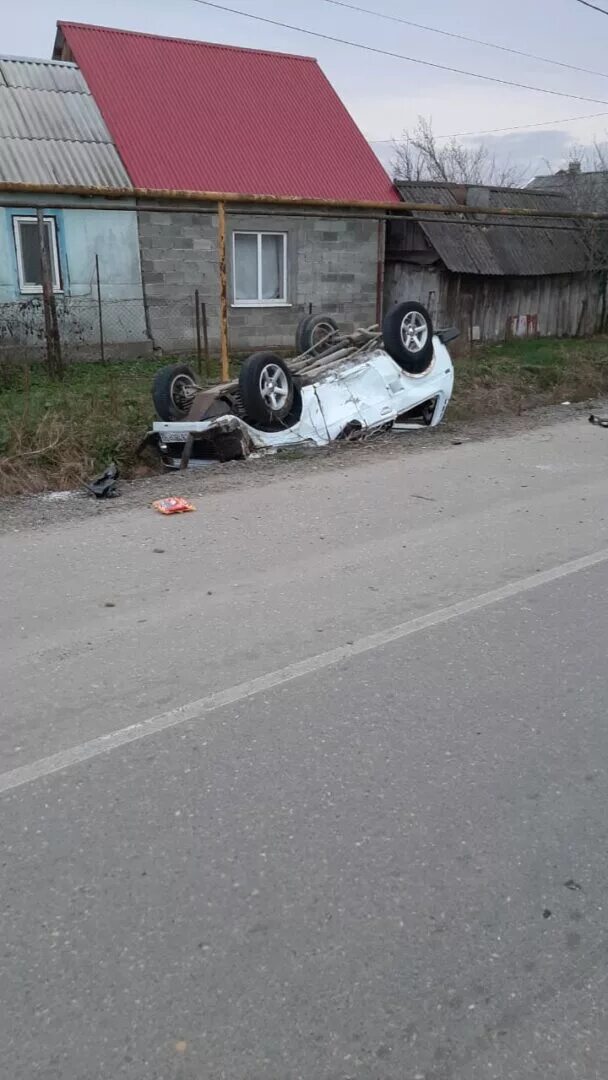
(55, 435)
(522, 375)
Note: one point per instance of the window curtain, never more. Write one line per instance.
(245, 266)
(272, 268)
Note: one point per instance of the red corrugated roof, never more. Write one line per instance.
(188, 115)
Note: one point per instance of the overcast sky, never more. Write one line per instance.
(386, 95)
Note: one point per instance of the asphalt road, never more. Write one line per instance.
(373, 842)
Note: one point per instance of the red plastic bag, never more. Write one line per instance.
(173, 505)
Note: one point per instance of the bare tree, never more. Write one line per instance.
(593, 158)
(584, 182)
(419, 155)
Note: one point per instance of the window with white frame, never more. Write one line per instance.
(259, 261)
(27, 246)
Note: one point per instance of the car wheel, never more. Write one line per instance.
(300, 347)
(266, 388)
(316, 334)
(173, 391)
(408, 337)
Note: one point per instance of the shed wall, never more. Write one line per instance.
(493, 309)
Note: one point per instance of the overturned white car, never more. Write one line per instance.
(337, 386)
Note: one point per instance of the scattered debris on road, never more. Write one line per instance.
(601, 421)
(104, 485)
(173, 505)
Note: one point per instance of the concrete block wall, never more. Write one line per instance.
(178, 255)
(332, 263)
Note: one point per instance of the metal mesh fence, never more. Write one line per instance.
(94, 328)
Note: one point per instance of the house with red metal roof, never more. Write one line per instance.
(198, 124)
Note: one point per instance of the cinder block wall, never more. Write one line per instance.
(332, 263)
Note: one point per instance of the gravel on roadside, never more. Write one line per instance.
(55, 508)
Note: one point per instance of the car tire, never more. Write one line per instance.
(408, 337)
(312, 331)
(167, 391)
(266, 388)
(300, 329)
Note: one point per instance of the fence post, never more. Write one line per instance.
(206, 340)
(102, 347)
(221, 245)
(197, 319)
(51, 326)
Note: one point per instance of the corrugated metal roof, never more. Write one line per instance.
(499, 246)
(225, 119)
(51, 130)
(584, 190)
(42, 75)
(45, 114)
(548, 183)
(68, 164)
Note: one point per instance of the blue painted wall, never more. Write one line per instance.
(111, 234)
(81, 234)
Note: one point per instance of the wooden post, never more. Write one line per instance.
(51, 326)
(206, 340)
(197, 320)
(102, 347)
(221, 250)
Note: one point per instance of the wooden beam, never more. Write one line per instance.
(51, 325)
(290, 200)
(221, 250)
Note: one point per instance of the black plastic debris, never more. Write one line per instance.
(601, 421)
(104, 485)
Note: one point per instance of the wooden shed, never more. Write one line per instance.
(495, 277)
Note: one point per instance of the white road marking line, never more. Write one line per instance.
(194, 710)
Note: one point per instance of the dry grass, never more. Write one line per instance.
(55, 435)
(523, 375)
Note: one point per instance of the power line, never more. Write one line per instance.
(463, 37)
(516, 127)
(398, 56)
(594, 6)
(521, 127)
